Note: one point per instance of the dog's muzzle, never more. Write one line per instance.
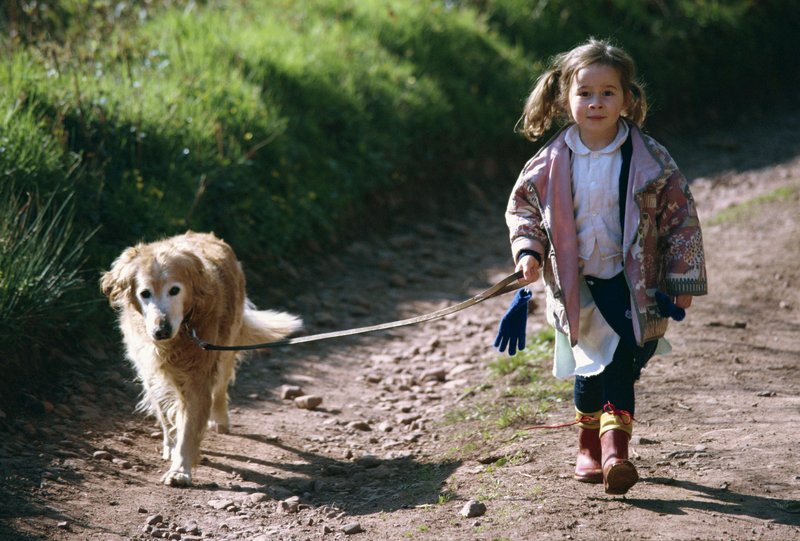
(163, 331)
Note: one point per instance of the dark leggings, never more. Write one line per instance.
(615, 383)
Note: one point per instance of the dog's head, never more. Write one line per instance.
(159, 282)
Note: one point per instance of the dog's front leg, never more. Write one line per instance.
(168, 434)
(191, 420)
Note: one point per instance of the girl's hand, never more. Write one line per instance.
(530, 269)
(683, 301)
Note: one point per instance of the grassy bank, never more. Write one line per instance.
(284, 124)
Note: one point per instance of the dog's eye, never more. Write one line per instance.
(145, 294)
(174, 290)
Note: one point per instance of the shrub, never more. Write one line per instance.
(40, 281)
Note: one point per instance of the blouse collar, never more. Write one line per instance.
(573, 140)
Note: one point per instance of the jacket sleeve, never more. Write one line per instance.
(681, 239)
(524, 217)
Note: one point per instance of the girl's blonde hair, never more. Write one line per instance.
(549, 99)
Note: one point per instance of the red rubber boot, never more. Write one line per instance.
(619, 473)
(587, 465)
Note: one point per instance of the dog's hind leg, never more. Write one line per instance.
(220, 420)
(192, 415)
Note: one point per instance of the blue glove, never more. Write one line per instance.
(512, 327)
(667, 308)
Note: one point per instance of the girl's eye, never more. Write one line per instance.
(174, 290)
(145, 294)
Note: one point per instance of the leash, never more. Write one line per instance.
(505, 285)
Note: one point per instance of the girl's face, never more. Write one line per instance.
(596, 101)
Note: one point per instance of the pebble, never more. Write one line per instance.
(408, 418)
(257, 497)
(122, 463)
(152, 520)
(290, 392)
(308, 402)
(352, 528)
(360, 425)
(102, 455)
(190, 528)
(640, 440)
(473, 508)
(460, 369)
(433, 374)
(221, 504)
(289, 505)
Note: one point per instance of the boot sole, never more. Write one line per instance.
(620, 478)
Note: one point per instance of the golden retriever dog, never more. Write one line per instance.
(191, 280)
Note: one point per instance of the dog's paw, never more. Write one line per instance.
(219, 428)
(177, 479)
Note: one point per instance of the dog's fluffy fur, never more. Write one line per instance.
(193, 278)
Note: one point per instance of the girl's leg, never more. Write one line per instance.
(618, 380)
(588, 393)
(616, 422)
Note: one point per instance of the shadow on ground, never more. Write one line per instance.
(720, 500)
(361, 486)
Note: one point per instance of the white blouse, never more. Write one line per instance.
(595, 190)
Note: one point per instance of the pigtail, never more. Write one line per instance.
(636, 111)
(543, 105)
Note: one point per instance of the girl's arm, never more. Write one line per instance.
(682, 248)
(524, 220)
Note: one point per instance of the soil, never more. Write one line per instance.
(417, 421)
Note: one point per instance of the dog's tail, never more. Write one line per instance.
(267, 325)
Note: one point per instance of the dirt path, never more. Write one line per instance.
(417, 421)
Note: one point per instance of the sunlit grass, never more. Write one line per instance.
(519, 392)
(747, 208)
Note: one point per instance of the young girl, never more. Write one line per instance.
(604, 213)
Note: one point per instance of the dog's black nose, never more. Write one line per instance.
(163, 332)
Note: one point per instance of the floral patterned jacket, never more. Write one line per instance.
(662, 242)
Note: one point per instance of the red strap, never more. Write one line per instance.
(583, 419)
(625, 418)
(622, 414)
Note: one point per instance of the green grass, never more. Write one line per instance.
(742, 210)
(275, 135)
(41, 305)
(519, 392)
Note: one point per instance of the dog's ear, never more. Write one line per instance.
(194, 274)
(117, 284)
